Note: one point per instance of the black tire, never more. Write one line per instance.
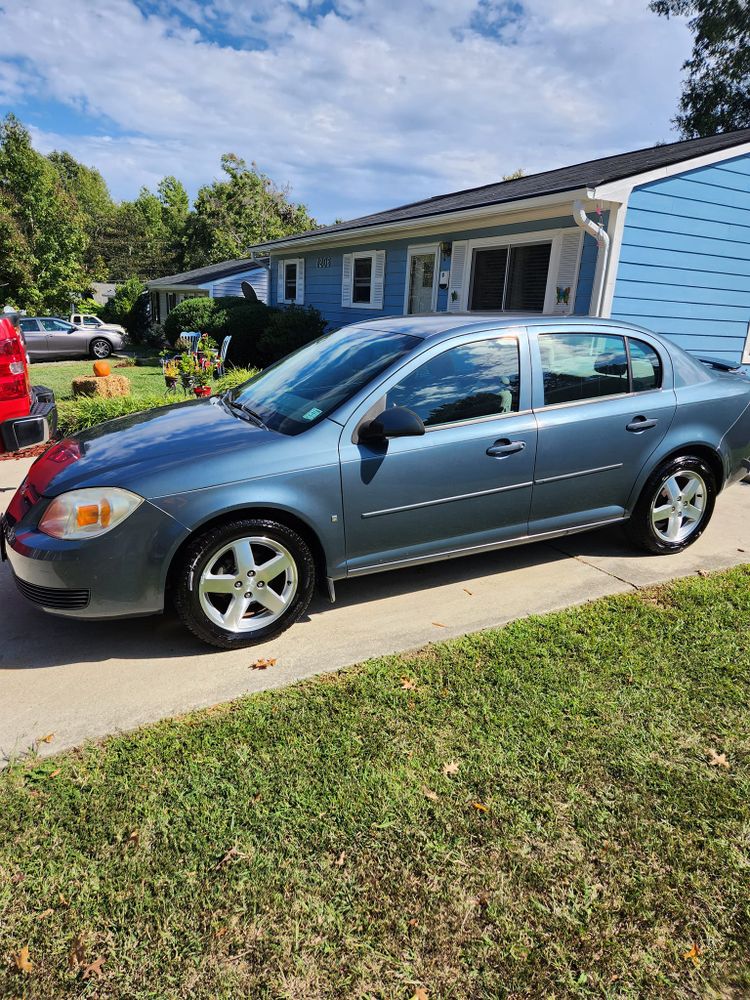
(208, 546)
(640, 528)
(100, 348)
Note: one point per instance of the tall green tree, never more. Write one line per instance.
(716, 92)
(43, 232)
(232, 214)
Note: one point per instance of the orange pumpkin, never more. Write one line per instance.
(101, 368)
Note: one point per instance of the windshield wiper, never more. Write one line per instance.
(254, 417)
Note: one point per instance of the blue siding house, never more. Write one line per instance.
(658, 236)
(213, 281)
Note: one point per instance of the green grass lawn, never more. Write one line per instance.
(58, 376)
(586, 841)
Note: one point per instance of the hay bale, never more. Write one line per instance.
(106, 386)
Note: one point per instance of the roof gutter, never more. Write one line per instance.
(601, 236)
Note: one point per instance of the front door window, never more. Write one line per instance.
(421, 282)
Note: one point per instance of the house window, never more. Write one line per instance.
(362, 280)
(290, 280)
(510, 278)
(171, 301)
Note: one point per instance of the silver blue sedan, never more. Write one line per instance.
(382, 445)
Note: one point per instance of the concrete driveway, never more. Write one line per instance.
(85, 680)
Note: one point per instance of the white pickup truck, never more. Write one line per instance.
(87, 321)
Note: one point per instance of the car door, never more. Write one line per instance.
(35, 338)
(603, 401)
(64, 338)
(464, 484)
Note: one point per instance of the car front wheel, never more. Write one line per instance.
(243, 583)
(100, 348)
(675, 506)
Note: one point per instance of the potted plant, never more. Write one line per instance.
(171, 372)
(204, 375)
(188, 367)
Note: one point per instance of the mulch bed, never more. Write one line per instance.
(10, 456)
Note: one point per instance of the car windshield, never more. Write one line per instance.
(306, 386)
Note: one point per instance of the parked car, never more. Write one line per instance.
(49, 337)
(28, 414)
(87, 321)
(382, 445)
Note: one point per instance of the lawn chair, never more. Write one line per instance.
(189, 338)
(223, 351)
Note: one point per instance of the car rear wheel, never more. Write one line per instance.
(100, 348)
(243, 583)
(675, 506)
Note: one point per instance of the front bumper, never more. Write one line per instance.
(118, 575)
(36, 428)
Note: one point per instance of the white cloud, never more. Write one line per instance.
(362, 106)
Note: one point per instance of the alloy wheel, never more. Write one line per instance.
(678, 506)
(248, 584)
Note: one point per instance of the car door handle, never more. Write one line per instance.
(641, 424)
(505, 447)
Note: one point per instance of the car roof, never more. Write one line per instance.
(429, 325)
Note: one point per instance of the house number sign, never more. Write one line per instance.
(324, 261)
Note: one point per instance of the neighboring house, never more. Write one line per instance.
(659, 237)
(215, 281)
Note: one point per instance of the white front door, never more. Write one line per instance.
(422, 279)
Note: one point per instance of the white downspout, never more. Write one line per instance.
(601, 236)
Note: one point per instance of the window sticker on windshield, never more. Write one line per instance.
(312, 414)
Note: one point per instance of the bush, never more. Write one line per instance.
(246, 326)
(233, 378)
(197, 314)
(79, 414)
(287, 330)
(129, 308)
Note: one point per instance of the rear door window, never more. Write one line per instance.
(645, 365)
(579, 366)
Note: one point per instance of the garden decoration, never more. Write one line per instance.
(101, 369)
(171, 372)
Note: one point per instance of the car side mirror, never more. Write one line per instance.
(396, 422)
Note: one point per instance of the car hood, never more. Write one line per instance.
(188, 445)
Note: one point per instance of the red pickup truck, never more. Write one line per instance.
(28, 414)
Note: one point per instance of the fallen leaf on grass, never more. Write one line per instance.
(45, 913)
(133, 839)
(480, 807)
(233, 854)
(718, 760)
(407, 684)
(340, 859)
(17, 878)
(94, 969)
(451, 768)
(22, 961)
(46, 739)
(77, 953)
(419, 994)
(439, 625)
(692, 954)
(262, 664)
(54, 774)
(429, 794)
(63, 900)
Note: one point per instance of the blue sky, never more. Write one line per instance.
(358, 105)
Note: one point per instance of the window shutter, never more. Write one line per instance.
(300, 294)
(346, 280)
(567, 273)
(456, 285)
(280, 284)
(378, 280)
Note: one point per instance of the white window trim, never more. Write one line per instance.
(553, 236)
(299, 264)
(413, 251)
(358, 255)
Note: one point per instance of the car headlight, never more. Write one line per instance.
(88, 513)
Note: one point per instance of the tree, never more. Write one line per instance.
(716, 93)
(232, 215)
(128, 307)
(42, 227)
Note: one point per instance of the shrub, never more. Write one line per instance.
(233, 378)
(129, 308)
(287, 330)
(79, 414)
(197, 314)
(246, 325)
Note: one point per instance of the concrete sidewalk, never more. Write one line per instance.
(85, 680)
